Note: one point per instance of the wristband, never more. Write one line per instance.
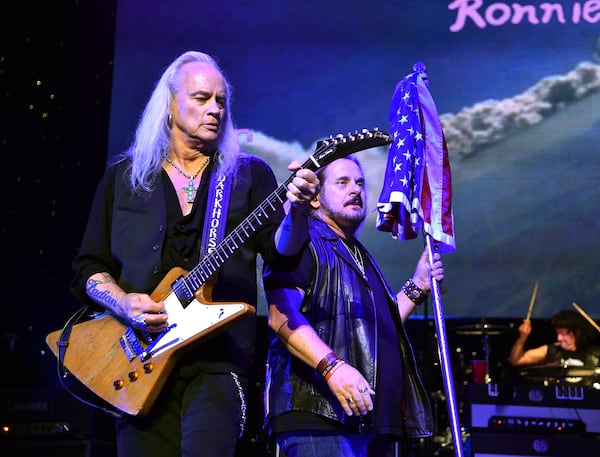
(414, 292)
(331, 370)
(326, 362)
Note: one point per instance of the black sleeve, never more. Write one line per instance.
(300, 276)
(263, 185)
(94, 254)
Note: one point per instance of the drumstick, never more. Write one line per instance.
(535, 288)
(588, 318)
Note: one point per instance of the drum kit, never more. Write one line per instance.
(545, 374)
(478, 370)
(476, 364)
(559, 374)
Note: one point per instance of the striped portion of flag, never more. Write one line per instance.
(416, 194)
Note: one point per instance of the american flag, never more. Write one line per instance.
(416, 195)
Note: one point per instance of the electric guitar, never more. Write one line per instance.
(127, 367)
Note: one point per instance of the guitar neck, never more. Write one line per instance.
(236, 238)
(326, 152)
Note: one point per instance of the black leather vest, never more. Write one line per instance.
(344, 318)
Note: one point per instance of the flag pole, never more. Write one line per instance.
(438, 314)
(417, 192)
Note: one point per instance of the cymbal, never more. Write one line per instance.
(482, 329)
(582, 371)
(558, 371)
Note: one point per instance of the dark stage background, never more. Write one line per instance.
(519, 104)
(55, 78)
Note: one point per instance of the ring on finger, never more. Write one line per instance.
(139, 319)
(364, 390)
(350, 400)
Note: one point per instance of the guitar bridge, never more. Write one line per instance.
(131, 345)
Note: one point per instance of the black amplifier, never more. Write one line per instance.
(555, 409)
(486, 444)
(49, 421)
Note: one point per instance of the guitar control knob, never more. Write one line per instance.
(148, 367)
(133, 376)
(118, 384)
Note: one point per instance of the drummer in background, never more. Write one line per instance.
(574, 346)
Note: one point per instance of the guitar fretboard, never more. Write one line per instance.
(326, 152)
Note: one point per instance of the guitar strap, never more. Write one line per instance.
(63, 344)
(216, 213)
(63, 341)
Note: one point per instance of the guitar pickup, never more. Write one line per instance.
(182, 291)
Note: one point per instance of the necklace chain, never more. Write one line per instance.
(184, 173)
(356, 256)
(190, 189)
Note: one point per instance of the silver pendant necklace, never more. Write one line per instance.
(190, 189)
(356, 255)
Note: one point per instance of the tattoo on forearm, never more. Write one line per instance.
(102, 296)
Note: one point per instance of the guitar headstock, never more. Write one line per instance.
(336, 147)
